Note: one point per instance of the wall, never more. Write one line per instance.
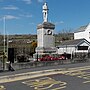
(83, 34)
(69, 50)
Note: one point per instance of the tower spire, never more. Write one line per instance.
(45, 12)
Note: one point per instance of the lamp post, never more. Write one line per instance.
(4, 28)
(4, 49)
(37, 56)
(7, 44)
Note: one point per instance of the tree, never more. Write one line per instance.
(66, 34)
(33, 47)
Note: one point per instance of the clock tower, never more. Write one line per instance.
(45, 34)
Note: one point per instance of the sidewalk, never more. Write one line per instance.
(6, 73)
(35, 74)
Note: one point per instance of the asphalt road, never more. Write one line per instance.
(77, 78)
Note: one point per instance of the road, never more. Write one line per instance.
(76, 77)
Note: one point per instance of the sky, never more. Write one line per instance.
(23, 16)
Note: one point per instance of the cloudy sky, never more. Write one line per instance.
(23, 16)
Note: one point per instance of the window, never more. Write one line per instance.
(82, 47)
(89, 35)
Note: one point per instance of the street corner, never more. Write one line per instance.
(2, 87)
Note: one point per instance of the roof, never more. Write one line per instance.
(82, 28)
(73, 42)
(46, 25)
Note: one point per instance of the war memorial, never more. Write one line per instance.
(45, 35)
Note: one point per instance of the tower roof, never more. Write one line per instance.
(46, 25)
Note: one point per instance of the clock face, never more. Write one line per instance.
(49, 32)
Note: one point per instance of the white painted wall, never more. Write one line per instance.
(69, 50)
(84, 34)
(73, 49)
(79, 35)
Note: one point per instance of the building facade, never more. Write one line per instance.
(74, 46)
(83, 32)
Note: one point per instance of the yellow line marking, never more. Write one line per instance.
(75, 73)
(59, 88)
(86, 82)
(45, 83)
(2, 87)
(35, 74)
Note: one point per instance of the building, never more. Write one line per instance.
(74, 46)
(83, 32)
(80, 44)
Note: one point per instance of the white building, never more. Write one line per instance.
(80, 44)
(83, 32)
(74, 46)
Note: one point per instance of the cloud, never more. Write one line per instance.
(27, 1)
(40, 1)
(26, 15)
(57, 23)
(10, 7)
(9, 17)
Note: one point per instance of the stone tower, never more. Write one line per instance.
(45, 37)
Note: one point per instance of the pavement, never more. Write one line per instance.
(5, 73)
(38, 72)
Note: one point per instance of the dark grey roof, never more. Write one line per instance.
(72, 42)
(81, 29)
(46, 25)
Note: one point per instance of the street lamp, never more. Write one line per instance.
(4, 50)
(4, 28)
(37, 56)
